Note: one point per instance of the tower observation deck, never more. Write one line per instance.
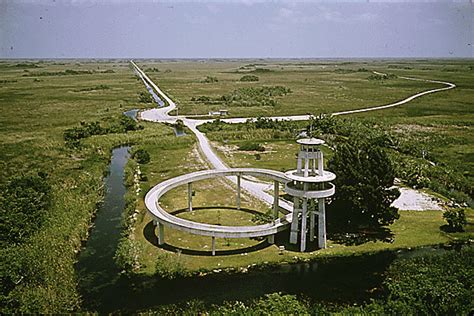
(309, 186)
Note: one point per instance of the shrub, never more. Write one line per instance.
(145, 97)
(262, 70)
(152, 70)
(126, 255)
(251, 146)
(456, 220)
(382, 77)
(210, 79)
(141, 156)
(249, 78)
(262, 218)
(169, 266)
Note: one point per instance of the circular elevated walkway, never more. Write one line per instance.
(164, 218)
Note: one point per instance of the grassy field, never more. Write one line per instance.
(317, 87)
(39, 101)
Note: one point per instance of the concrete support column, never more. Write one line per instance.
(238, 192)
(299, 164)
(271, 239)
(312, 221)
(213, 246)
(190, 196)
(294, 221)
(303, 224)
(276, 194)
(322, 224)
(161, 234)
(306, 167)
(320, 164)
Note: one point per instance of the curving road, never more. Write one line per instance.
(256, 189)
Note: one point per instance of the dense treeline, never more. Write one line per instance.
(67, 72)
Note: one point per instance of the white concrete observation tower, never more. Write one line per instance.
(310, 185)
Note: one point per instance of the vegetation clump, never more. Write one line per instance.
(433, 284)
(145, 97)
(201, 99)
(67, 72)
(248, 96)
(262, 218)
(152, 70)
(456, 220)
(98, 87)
(251, 146)
(24, 202)
(169, 266)
(249, 78)
(123, 124)
(141, 156)
(349, 71)
(262, 70)
(126, 255)
(209, 79)
(26, 65)
(8, 81)
(380, 77)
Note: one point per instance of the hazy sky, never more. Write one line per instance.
(245, 28)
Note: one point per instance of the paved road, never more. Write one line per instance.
(256, 189)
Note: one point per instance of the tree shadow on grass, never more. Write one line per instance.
(242, 209)
(449, 229)
(361, 236)
(150, 236)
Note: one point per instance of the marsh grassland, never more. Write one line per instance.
(40, 100)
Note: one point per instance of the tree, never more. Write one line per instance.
(456, 220)
(364, 190)
(141, 156)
